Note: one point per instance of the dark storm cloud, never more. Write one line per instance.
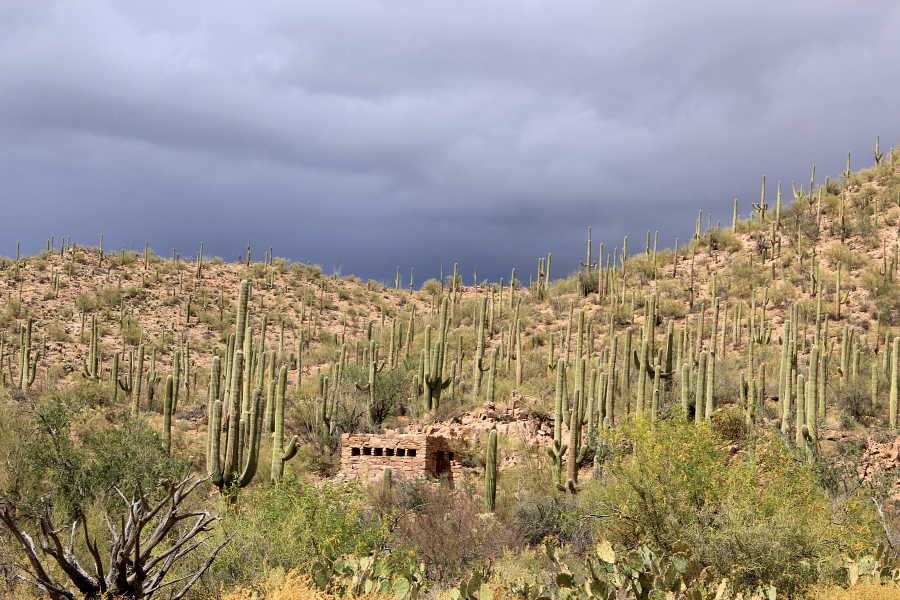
(366, 135)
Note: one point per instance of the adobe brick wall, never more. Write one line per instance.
(364, 456)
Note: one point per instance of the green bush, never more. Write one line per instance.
(761, 510)
(850, 260)
(292, 525)
(68, 456)
(392, 389)
(431, 287)
(110, 296)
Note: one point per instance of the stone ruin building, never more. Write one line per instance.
(364, 456)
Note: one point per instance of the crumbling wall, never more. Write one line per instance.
(364, 456)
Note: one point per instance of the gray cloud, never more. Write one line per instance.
(365, 135)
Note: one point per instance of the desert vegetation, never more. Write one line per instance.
(720, 418)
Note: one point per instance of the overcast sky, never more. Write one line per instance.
(366, 135)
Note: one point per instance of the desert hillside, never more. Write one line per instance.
(738, 391)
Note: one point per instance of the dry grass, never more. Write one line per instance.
(863, 591)
(293, 586)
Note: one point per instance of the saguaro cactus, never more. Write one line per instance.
(557, 449)
(280, 454)
(432, 380)
(133, 381)
(92, 365)
(27, 366)
(386, 480)
(492, 376)
(895, 359)
(577, 450)
(610, 409)
(167, 415)
(762, 207)
(589, 265)
(642, 363)
(699, 411)
(239, 431)
(114, 380)
(374, 367)
(479, 348)
(490, 472)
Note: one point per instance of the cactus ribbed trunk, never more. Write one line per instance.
(490, 472)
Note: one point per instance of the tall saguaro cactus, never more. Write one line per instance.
(432, 380)
(589, 265)
(240, 327)
(241, 429)
(167, 415)
(131, 384)
(610, 408)
(479, 348)
(577, 451)
(492, 376)
(374, 367)
(280, 454)
(557, 449)
(27, 366)
(490, 472)
(92, 365)
(895, 359)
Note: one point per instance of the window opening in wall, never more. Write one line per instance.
(367, 451)
(451, 456)
(354, 452)
(389, 451)
(378, 451)
(412, 452)
(401, 451)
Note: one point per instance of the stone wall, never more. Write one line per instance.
(364, 456)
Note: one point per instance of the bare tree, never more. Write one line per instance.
(137, 567)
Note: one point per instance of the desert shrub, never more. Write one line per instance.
(761, 510)
(587, 283)
(110, 296)
(68, 456)
(292, 525)
(799, 217)
(542, 516)
(722, 239)
(641, 265)
(856, 398)
(873, 281)
(850, 260)
(392, 389)
(730, 424)
(887, 302)
(131, 331)
(57, 332)
(672, 308)
(450, 533)
(781, 295)
(281, 264)
(13, 311)
(746, 278)
(727, 386)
